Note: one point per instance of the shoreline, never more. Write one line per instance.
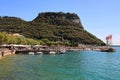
(43, 49)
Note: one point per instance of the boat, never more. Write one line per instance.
(31, 53)
(62, 50)
(52, 52)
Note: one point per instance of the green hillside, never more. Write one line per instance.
(52, 26)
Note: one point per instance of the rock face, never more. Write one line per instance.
(58, 18)
(76, 20)
(51, 25)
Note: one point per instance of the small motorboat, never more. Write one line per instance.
(52, 52)
(31, 53)
(62, 50)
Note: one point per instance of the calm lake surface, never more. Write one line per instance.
(82, 65)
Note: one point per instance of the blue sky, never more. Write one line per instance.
(100, 17)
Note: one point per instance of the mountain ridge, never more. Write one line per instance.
(51, 25)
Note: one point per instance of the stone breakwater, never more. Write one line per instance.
(42, 49)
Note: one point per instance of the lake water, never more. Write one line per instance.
(82, 65)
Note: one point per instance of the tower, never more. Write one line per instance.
(109, 40)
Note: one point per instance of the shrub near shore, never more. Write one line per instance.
(10, 39)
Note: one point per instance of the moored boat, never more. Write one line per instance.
(52, 52)
(31, 53)
(62, 50)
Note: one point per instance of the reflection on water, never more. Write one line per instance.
(83, 65)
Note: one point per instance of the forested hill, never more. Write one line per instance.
(51, 26)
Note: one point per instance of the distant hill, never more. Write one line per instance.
(52, 26)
